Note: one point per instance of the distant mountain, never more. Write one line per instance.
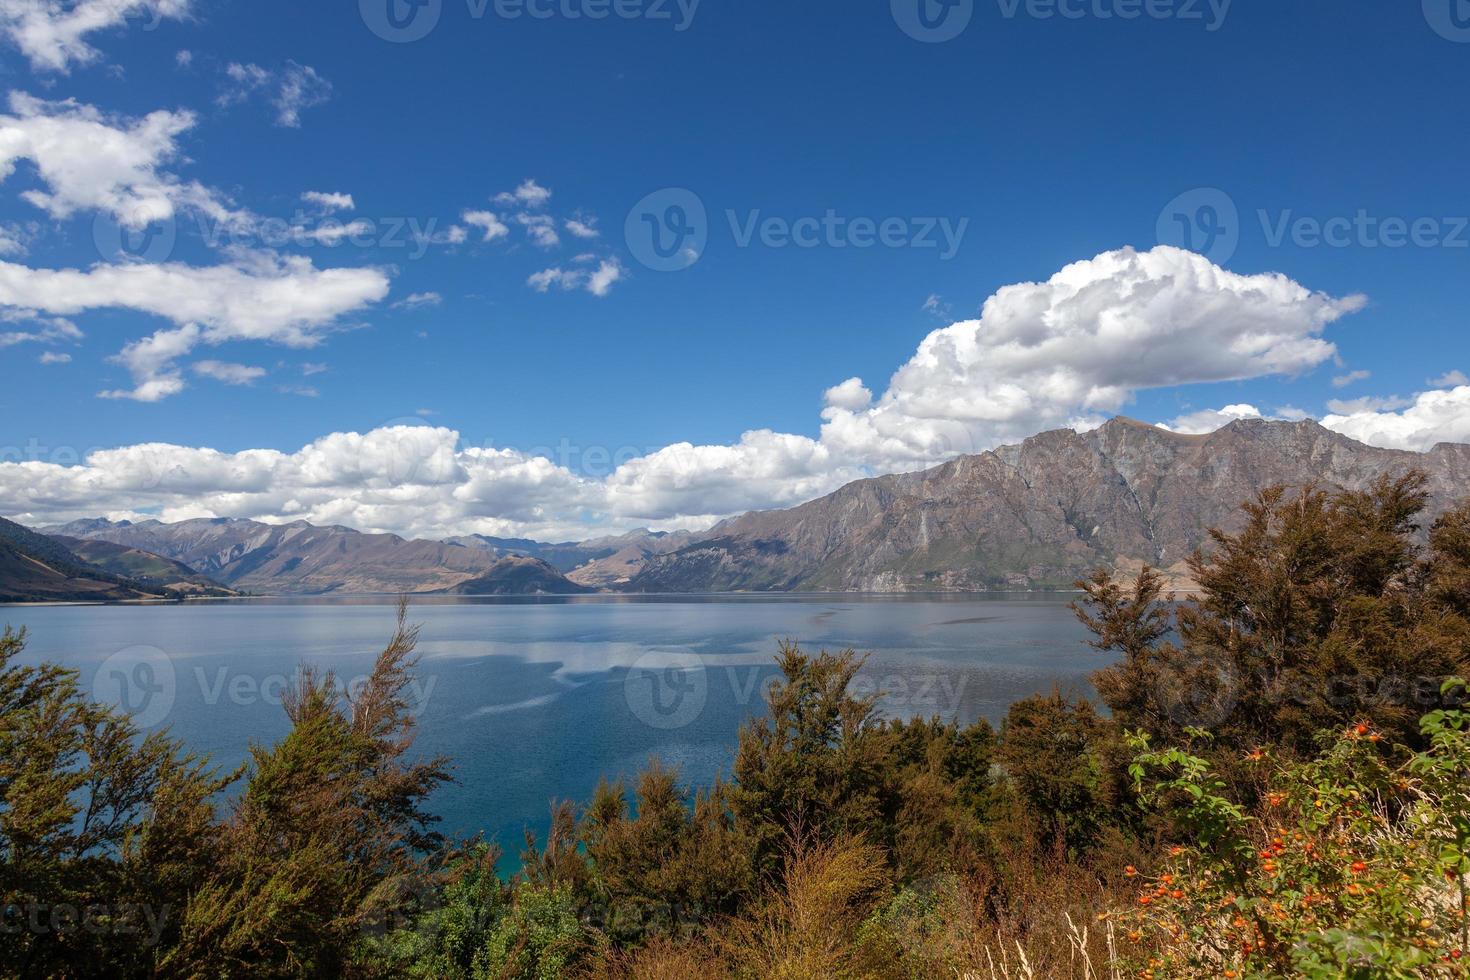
(624, 557)
(300, 558)
(519, 576)
(37, 568)
(563, 557)
(142, 567)
(1035, 516)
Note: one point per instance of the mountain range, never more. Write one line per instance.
(41, 568)
(1037, 515)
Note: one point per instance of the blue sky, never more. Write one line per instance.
(1046, 140)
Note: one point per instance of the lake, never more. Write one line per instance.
(537, 699)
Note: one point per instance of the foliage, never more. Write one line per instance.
(1355, 866)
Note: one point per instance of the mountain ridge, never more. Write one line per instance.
(1034, 515)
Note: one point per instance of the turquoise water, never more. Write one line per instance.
(536, 700)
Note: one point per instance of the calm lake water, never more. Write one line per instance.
(537, 700)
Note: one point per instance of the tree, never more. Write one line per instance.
(329, 835)
(105, 836)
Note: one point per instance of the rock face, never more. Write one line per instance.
(300, 558)
(1038, 515)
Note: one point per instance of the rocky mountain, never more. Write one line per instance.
(597, 562)
(38, 568)
(519, 575)
(302, 559)
(142, 567)
(1037, 515)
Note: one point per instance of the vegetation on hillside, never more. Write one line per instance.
(1273, 785)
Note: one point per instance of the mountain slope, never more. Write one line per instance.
(35, 568)
(142, 567)
(520, 576)
(1037, 515)
(298, 558)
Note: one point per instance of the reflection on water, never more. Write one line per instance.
(538, 698)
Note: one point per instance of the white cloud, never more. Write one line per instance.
(1042, 354)
(92, 161)
(258, 296)
(151, 363)
(1080, 345)
(1450, 379)
(1351, 378)
(228, 373)
(529, 194)
(52, 357)
(1430, 417)
(487, 222)
(39, 329)
(417, 301)
(541, 229)
(329, 200)
(1210, 419)
(598, 282)
(1368, 403)
(52, 33)
(301, 88)
(184, 58)
(582, 228)
(309, 368)
(294, 88)
(850, 396)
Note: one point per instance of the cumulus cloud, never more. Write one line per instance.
(1418, 424)
(1063, 351)
(540, 228)
(1079, 346)
(582, 227)
(850, 396)
(92, 161)
(529, 194)
(258, 296)
(488, 222)
(53, 357)
(1450, 379)
(1210, 419)
(52, 33)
